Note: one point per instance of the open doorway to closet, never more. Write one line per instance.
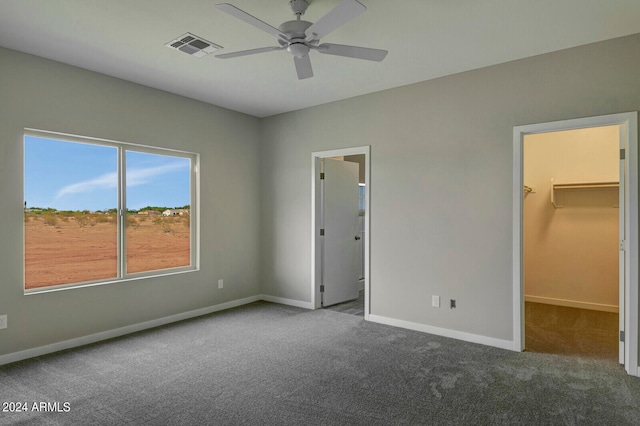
(571, 241)
(585, 190)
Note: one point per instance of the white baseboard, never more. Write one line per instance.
(288, 302)
(572, 303)
(459, 335)
(110, 334)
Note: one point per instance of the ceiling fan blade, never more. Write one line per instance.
(352, 51)
(303, 67)
(338, 16)
(249, 19)
(249, 52)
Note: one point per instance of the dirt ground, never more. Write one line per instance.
(77, 248)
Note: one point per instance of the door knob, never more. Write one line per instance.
(357, 238)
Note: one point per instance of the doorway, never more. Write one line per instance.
(571, 242)
(320, 242)
(628, 207)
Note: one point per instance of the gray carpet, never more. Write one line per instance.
(268, 364)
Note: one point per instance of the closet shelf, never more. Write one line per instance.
(578, 185)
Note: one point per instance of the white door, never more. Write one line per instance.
(341, 261)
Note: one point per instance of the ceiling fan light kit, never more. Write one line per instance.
(299, 37)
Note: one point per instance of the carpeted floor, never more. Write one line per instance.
(268, 364)
(550, 329)
(570, 331)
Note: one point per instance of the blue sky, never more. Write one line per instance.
(74, 176)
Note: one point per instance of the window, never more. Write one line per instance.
(362, 198)
(100, 211)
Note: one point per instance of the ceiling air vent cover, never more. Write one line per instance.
(193, 45)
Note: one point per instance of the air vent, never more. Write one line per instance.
(193, 45)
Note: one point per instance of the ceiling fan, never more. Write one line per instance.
(299, 37)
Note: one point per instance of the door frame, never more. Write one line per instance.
(316, 251)
(629, 123)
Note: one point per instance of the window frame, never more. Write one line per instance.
(122, 149)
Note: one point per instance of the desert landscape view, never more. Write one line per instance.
(74, 247)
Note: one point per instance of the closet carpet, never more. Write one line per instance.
(571, 331)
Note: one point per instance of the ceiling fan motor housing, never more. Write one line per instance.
(295, 29)
(296, 43)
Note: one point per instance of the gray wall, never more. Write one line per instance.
(441, 179)
(441, 190)
(47, 95)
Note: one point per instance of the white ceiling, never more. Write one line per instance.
(425, 39)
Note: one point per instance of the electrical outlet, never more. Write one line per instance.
(220, 284)
(452, 304)
(435, 301)
(3, 321)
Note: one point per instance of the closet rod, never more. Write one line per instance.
(592, 185)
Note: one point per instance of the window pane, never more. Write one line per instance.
(158, 224)
(70, 225)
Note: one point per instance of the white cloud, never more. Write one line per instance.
(142, 176)
(110, 180)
